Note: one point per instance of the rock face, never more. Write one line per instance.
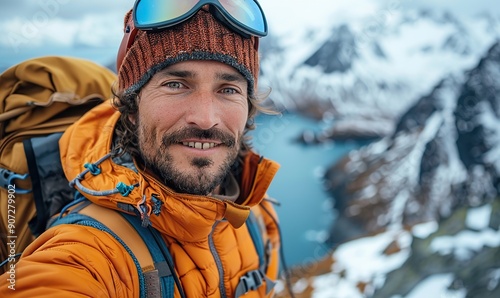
(371, 68)
(475, 268)
(337, 53)
(430, 105)
(444, 154)
(442, 161)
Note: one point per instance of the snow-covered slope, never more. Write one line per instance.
(443, 154)
(457, 257)
(440, 168)
(428, 190)
(375, 66)
(419, 211)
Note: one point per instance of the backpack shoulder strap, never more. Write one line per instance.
(164, 268)
(85, 220)
(155, 264)
(257, 238)
(120, 226)
(255, 278)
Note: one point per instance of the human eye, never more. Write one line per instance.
(173, 85)
(229, 91)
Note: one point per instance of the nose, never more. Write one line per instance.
(203, 110)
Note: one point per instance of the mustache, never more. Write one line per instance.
(213, 133)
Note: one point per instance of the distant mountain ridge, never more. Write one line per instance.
(358, 70)
(442, 166)
(444, 154)
(438, 164)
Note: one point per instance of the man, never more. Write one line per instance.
(175, 154)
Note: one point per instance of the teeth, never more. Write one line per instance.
(199, 145)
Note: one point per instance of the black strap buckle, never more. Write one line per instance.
(249, 282)
(252, 280)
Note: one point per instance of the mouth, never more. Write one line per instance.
(200, 145)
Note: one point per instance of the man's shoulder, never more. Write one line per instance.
(77, 240)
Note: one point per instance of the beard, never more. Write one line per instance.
(199, 180)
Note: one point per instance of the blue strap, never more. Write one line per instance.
(162, 259)
(84, 220)
(255, 278)
(258, 241)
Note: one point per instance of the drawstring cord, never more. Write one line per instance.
(121, 188)
(94, 169)
(143, 207)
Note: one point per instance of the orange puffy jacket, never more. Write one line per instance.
(80, 261)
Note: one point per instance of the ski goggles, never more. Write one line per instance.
(242, 16)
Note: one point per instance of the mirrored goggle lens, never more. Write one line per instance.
(247, 13)
(151, 14)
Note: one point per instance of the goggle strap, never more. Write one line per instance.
(256, 44)
(127, 41)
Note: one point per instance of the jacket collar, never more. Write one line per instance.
(183, 216)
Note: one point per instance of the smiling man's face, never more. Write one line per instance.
(190, 123)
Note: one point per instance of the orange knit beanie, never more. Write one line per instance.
(201, 37)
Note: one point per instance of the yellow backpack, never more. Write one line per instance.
(39, 99)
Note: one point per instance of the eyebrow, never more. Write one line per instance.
(223, 76)
(178, 73)
(231, 77)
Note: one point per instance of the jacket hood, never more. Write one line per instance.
(85, 155)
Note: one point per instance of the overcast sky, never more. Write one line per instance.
(278, 12)
(74, 9)
(39, 25)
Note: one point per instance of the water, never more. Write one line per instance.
(305, 213)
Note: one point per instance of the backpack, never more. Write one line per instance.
(39, 99)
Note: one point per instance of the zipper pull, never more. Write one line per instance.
(145, 211)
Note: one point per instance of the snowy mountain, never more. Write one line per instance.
(438, 173)
(444, 153)
(429, 197)
(418, 210)
(375, 67)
